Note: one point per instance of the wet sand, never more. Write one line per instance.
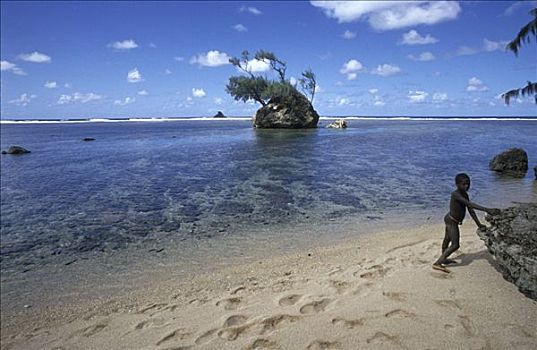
(374, 292)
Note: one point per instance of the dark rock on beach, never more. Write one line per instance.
(293, 111)
(514, 162)
(16, 150)
(88, 139)
(512, 240)
(219, 115)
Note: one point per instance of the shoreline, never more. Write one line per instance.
(171, 119)
(374, 291)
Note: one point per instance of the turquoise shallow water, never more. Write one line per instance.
(140, 184)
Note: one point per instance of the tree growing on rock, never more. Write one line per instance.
(259, 87)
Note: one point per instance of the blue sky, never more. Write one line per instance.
(168, 59)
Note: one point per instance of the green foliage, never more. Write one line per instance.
(260, 88)
(308, 83)
(523, 36)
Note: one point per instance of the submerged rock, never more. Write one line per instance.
(16, 150)
(512, 240)
(88, 139)
(338, 124)
(219, 115)
(514, 161)
(293, 111)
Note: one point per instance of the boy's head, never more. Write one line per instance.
(462, 181)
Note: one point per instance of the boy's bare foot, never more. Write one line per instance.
(440, 268)
(449, 261)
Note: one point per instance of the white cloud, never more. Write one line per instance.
(373, 91)
(23, 100)
(240, 28)
(424, 56)
(475, 84)
(343, 101)
(134, 76)
(256, 66)
(514, 7)
(179, 58)
(143, 93)
(387, 15)
(152, 45)
(250, 9)
(417, 96)
(385, 70)
(212, 58)
(440, 96)
(349, 35)
(35, 57)
(466, 50)
(415, 38)
(126, 101)
(123, 45)
(51, 84)
(218, 101)
(293, 81)
(350, 69)
(78, 97)
(11, 67)
(167, 72)
(198, 92)
(379, 103)
(489, 45)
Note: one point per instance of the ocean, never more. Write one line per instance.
(219, 188)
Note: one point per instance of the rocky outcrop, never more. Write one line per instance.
(338, 124)
(219, 115)
(514, 161)
(16, 150)
(293, 111)
(512, 240)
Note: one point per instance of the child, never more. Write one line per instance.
(457, 208)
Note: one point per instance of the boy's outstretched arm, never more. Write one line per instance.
(472, 205)
(476, 219)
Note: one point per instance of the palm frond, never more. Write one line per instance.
(523, 35)
(530, 89)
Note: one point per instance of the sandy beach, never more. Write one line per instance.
(375, 292)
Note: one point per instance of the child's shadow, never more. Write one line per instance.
(468, 258)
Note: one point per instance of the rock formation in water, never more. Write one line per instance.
(88, 139)
(535, 171)
(293, 111)
(338, 124)
(219, 115)
(514, 161)
(16, 150)
(512, 240)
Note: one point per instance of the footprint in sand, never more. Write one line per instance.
(324, 345)
(452, 304)
(339, 286)
(315, 306)
(205, 337)
(232, 333)
(152, 307)
(362, 289)
(234, 320)
(282, 286)
(237, 290)
(396, 296)
(230, 303)
(469, 327)
(374, 272)
(178, 334)
(260, 344)
(521, 331)
(92, 330)
(442, 275)
(400, 313)
(350, 324)
(383, 338)
(154, 322)
(289, 300)
(271, 323)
